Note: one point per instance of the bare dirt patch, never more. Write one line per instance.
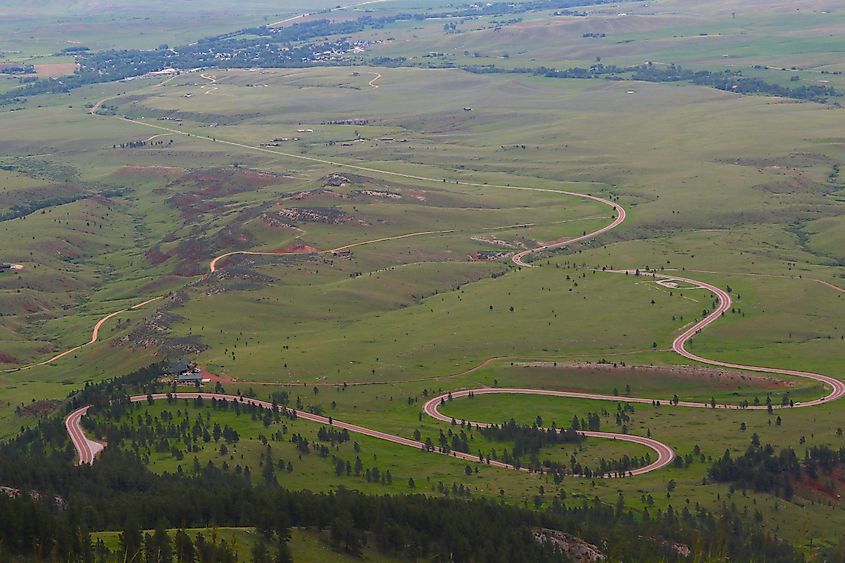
(720, 377)
(796, 185)
(39, 408)
(53, 70)
(197, 192)
(296, 248)
(327, 215)
(825, 488)
(213, 377)
(7, 359)
(155, 334)
(320, 193)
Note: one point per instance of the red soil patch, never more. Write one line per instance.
(196, 191)
(212, 377)
(192, 205)
(156, 285)
(58, 248)
(217, 182)
(232, 237)
(40, 408)
(53, 70)
(156, 256)
(821, 487)
(296, 248)
(7, 359)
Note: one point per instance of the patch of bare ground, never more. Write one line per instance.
(494, 241)
(291, 216)
(237, 278)
(796, 185)
(792, 161)
(39, 408)
(154, 332)
(825, 487)
(54, 70)
(275, 221)
(574, 547)
(486, 255)
(720, 377)
(7, 359)
(193, 252)
(319, 193)
(199, 192)
(35, 495)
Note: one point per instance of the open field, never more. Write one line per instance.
(365, 236)
(47, 27)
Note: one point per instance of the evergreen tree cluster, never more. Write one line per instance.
(56, 504)
(762, 469)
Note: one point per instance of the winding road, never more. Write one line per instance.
(88, 449)
(95, 335)
(214, 265)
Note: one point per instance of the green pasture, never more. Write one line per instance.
(740, 192)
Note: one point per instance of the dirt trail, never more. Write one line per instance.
(665, 452)
(88, 449)
(95, 335)
(214, 265)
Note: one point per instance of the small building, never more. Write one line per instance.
(193, 377)
(185, 372)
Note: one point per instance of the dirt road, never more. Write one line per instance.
(85, 448)
(724, 303)
(665, 454)
(95, 335)
(88, 449)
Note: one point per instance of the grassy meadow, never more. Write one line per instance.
(738, 191)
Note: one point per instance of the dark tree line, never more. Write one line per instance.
(728, 80)
(762, 469)
(528, 440)
(60, 503)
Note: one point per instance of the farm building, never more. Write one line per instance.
(185, 372)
